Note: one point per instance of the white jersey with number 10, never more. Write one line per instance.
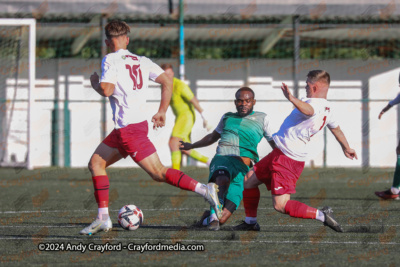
(298, 129)
(130, 74)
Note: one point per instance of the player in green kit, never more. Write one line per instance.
(183, 103)
(238, 134)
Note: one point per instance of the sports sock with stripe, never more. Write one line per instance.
(300, 210)
(101, 186)
(181, 180)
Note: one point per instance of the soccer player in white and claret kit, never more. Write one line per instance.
(281, 169)
(124, 80)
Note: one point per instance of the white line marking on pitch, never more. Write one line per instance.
(93, 210)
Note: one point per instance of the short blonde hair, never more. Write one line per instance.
(319, 76)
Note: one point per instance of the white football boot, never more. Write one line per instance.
(212, 198)
(97, 226)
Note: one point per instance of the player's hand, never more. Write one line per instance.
(206, 125)
(94, 79)
(286, 91)
(380, 114)
(350, 153)
(185, 146)
(158, 120)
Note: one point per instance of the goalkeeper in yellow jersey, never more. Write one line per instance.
(183, 103)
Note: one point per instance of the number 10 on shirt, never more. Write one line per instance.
(135, 73)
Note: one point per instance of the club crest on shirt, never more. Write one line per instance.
(327, 109)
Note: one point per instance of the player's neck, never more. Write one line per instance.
(116, 48)
(319, 94)
(117, 44)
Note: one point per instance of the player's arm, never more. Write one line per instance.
(166, 93)
(207, 140)
(341, 138)
(103, 88)
(188, 95)
(390, 105)
(303, 107)
(384, 110)
(197, 106)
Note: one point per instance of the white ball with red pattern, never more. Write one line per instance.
(130, 217)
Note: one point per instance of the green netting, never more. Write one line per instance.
(360, 37)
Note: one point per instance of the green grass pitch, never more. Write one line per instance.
(52, 205)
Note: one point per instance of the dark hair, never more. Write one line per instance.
(166, 66)
(319, 75)
(116, 28)
(248, 89)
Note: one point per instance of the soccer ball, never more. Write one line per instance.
(130, 217)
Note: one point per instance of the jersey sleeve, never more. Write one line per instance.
(395, 101)
(220, 126)
(186, 93)
(313, 104)
(154, 69)
(332, 123)
(108, 71)
(267, 128)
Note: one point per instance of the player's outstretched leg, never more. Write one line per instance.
(283, 204)
(160, 173)
(103, 221)
(101, 158)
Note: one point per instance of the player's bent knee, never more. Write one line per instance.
(280, 207)
(250, 180)
(158, 177)
(95, 166)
